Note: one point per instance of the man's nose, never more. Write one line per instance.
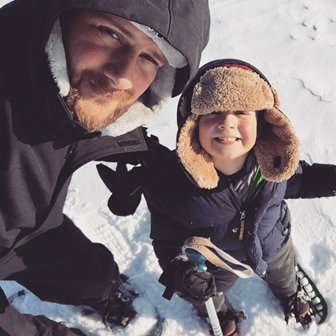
(121, 71)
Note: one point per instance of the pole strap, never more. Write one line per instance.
(217, 257)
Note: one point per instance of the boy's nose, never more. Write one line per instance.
(121, 71)
(227, 121)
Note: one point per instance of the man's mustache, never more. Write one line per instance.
(102, 83)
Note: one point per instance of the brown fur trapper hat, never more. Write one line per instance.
(233, 85)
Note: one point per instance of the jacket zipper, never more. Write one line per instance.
(242, 224)
(64, 105)
(241, 210)
(71, 150)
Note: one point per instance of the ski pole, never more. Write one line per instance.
(198, 260)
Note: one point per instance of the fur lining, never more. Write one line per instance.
(139, 114)
(57, 61)
(232, 89)
(277, 148)
(192, 156)
(175, 57)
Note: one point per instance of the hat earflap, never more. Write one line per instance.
(195, 160)
(277, 147)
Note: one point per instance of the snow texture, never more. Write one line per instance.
(294, 44)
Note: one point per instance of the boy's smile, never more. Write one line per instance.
(228, 137)
(226, 140)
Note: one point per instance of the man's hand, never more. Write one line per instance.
(126, 187)
(188, 282)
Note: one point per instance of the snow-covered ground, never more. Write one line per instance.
(294, 44)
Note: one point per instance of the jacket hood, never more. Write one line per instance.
(230, 85)
(184, 24)
(36, 22)
(140, 113)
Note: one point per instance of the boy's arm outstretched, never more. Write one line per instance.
(311, 181)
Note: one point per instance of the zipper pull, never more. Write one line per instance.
(242, 225)
(71, 150)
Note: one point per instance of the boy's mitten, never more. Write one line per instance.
(334, 180)
(126, 187)
(318, 180)
(187, 281)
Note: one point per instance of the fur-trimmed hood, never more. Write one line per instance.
(164, 86)
(23, 67)
(139, 114)
(231, 85)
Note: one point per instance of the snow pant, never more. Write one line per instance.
(63, 266)
(280, 276)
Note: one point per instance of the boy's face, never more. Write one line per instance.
(228, 136)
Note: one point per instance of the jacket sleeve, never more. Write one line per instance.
(153, 159)
(166, 251)
(312, 181)
(127, 186)
(150, 159)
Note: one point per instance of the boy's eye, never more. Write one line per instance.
(242, 113)
(245, 113)
(214, 113)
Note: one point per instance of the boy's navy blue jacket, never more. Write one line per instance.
(179, 210)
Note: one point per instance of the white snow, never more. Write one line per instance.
(294, 44)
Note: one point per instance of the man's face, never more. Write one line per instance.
(111, 64)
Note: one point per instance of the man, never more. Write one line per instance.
(78, 79)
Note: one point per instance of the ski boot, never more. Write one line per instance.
(318, 305)
(117, 310)
(298, 306)
(228, 321)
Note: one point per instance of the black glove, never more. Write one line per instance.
(188, 282)
(318, 180)
(126, 187)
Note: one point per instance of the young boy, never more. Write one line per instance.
(230, 131)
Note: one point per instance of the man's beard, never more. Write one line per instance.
(99, 111)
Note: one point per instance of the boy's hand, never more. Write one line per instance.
(188, 282)
(126, 187)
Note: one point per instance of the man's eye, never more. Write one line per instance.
(151, 59)
(109, 32)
